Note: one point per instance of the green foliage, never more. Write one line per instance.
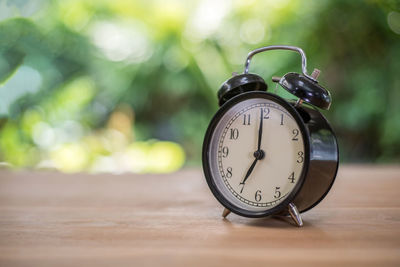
(101, 79)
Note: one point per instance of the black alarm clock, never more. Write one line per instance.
(264, 155)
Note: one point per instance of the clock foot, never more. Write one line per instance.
(225, 212)
(295, 214)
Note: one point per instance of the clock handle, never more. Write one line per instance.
(280, 47)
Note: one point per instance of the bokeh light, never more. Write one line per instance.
(130, 86)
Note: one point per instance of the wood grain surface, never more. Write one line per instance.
(53, 219)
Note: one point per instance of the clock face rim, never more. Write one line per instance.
(207, 143)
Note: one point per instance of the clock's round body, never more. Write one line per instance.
(263, 154)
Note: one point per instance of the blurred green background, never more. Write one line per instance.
(130, 86)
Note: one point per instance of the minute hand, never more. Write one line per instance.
(258, 153)
(260, 131)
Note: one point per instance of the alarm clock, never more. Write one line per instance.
(264, 155)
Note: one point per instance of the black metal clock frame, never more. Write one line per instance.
(321, 149)
(305, 194)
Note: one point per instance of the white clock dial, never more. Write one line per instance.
(251, 178)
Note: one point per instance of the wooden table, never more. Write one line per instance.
(53, 219)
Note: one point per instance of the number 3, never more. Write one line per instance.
(300, 159)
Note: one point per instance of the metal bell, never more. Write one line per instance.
(306, 89)
(239, 84)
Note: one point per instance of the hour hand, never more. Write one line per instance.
(248, 173)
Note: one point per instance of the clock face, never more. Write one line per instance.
(256, 154)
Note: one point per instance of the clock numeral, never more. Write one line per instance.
(296, 133)
(228, 172)
(277, 192)
(266, 113)
(257, 196)
(234, 134)
(291, 178)
(246, 119)
(281, 119)
(225, 151)
(300, 159)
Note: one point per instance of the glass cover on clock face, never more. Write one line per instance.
(256, 154)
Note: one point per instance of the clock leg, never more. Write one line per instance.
(295, 214)
(225, 212)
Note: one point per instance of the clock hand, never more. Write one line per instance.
(260, 130)
(249, 172)
(259, 154)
